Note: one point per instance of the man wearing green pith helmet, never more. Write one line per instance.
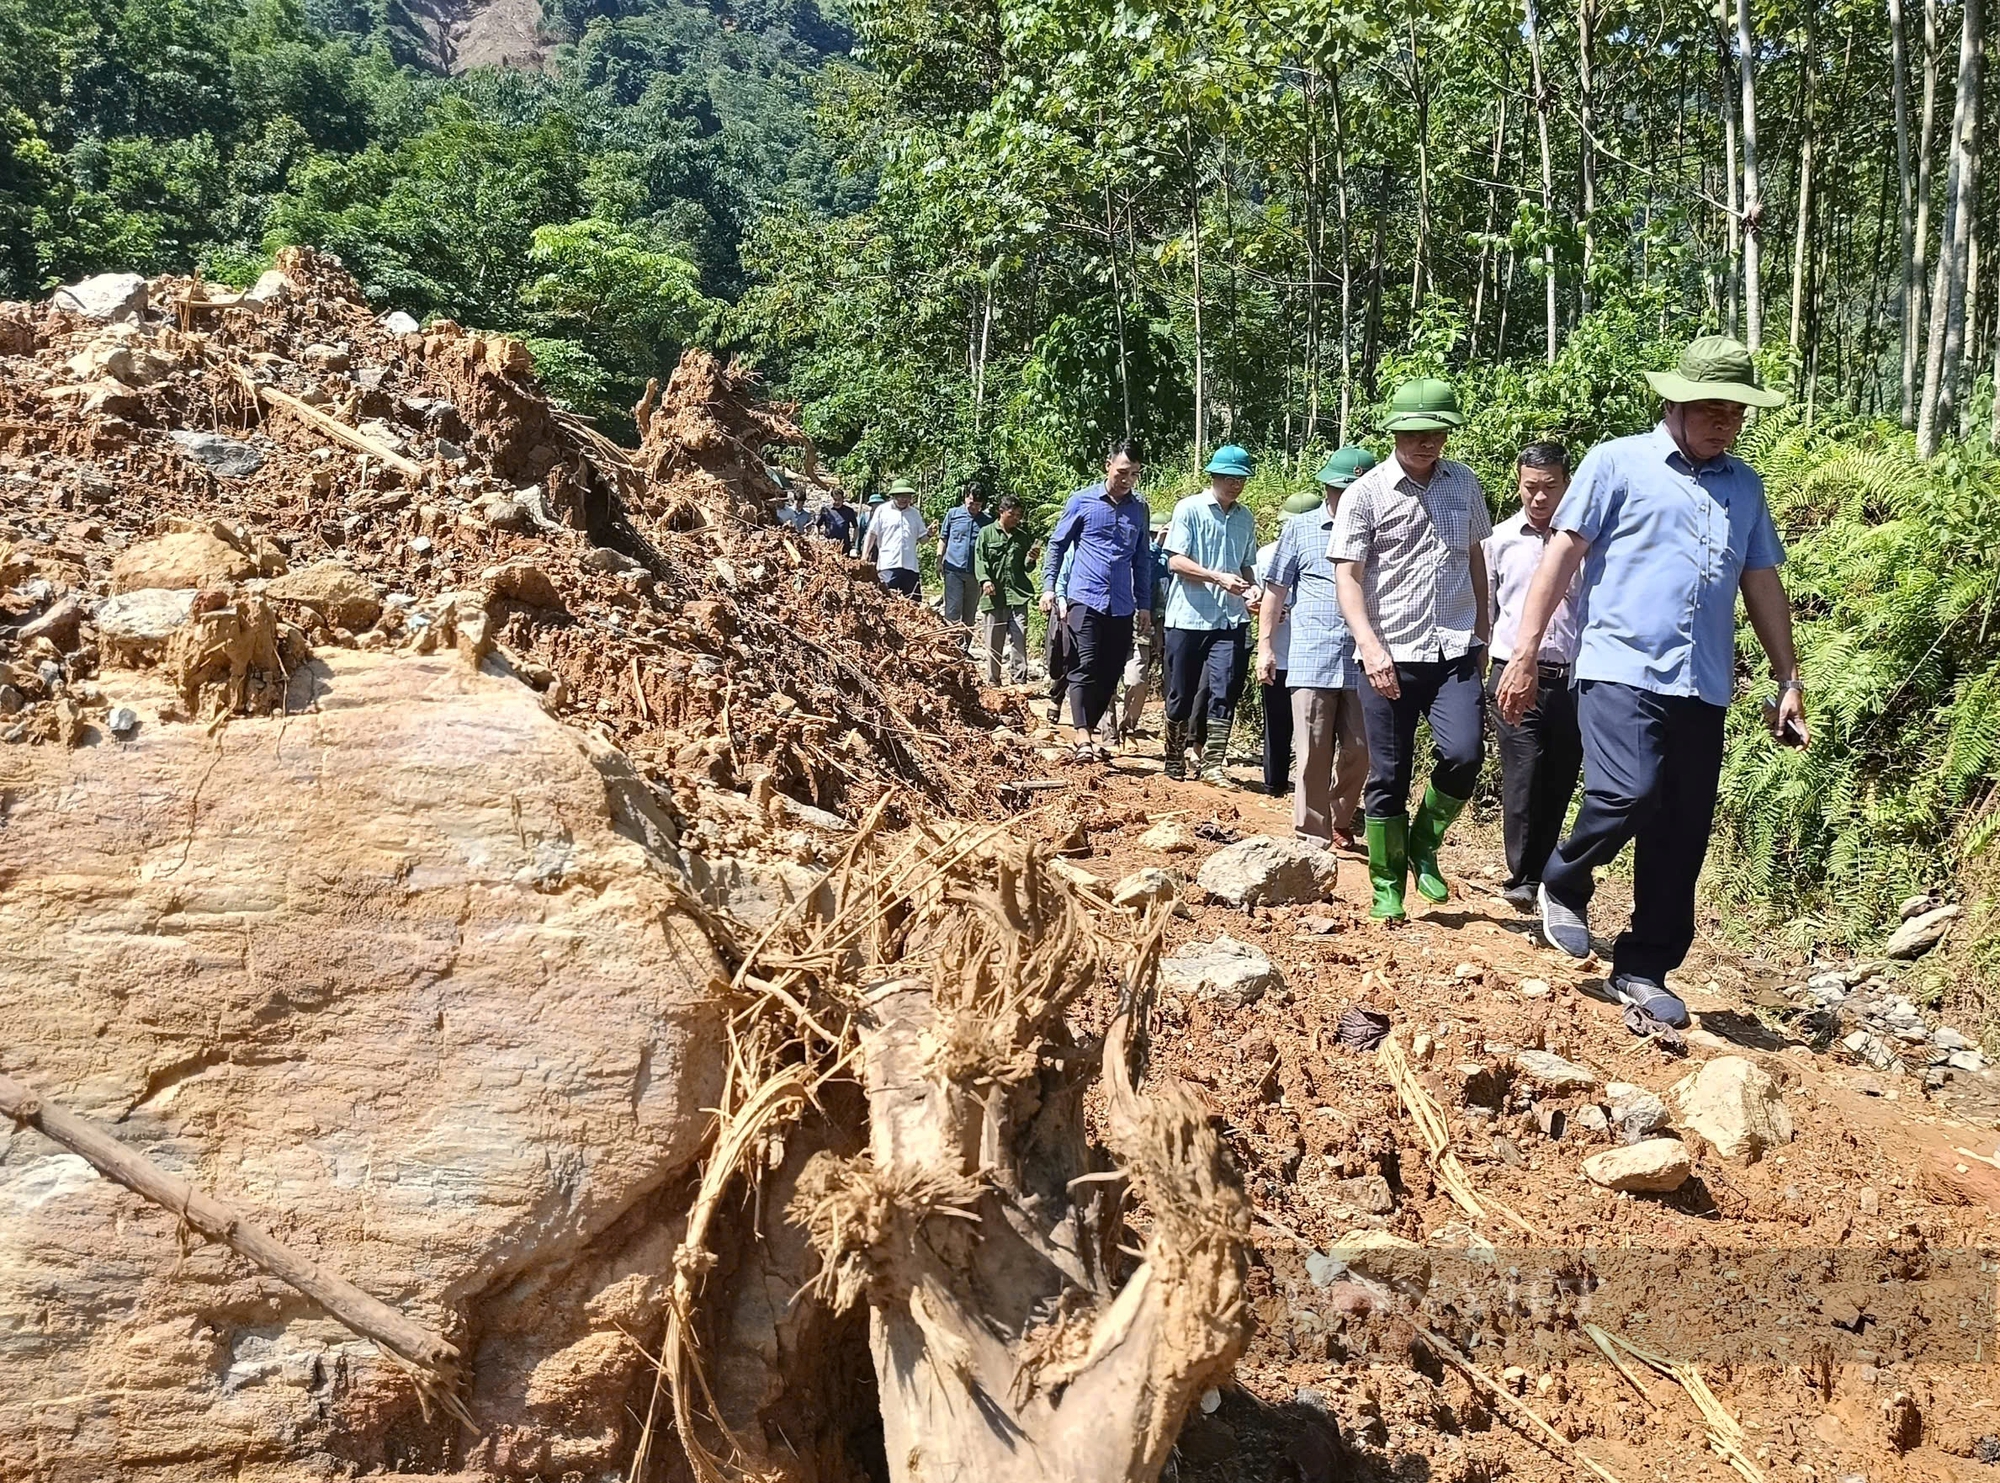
(1210, 546)
(1413, 588)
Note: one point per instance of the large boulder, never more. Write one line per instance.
(395, 976)
(1735, 1105)
(183, 558)
(1267, 871)
(107, 296)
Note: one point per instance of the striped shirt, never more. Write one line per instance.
(1513, 552)
(1321, 652)
(1414, 542)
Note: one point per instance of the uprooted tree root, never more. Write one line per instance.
(1013, 1335)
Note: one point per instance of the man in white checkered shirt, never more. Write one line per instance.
(1412, 580)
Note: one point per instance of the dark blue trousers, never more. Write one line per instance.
(1278, 737)
(1215, 660)
(1447, 693)
(1650, 767)
(902, 579)
(1099, 646)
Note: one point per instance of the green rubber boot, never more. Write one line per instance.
(1434, 816)
(1175, 760)
(1214, 753)
(1388, 864)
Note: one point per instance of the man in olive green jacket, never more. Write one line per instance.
(1003, 565)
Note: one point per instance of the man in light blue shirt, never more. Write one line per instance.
(1667, 527)
(1210, 547)
(1329, 735)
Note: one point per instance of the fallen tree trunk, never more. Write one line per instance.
(433, 1357)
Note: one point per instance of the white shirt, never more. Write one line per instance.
(1281, 636)
(1513, 552)
(894, 534)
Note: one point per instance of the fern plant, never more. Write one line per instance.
(1894, 572)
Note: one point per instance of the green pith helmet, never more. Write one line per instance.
(1303, 503)
(1714, 368)
(902, 486)
(1232, 461)
(1162, 521)
(1425, 405)
(878, 498)
(1344, 465)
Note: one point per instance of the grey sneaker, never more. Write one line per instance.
(1568, 931)
(1642, 993)
(1521, 897)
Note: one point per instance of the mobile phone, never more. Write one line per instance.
(1792, 734)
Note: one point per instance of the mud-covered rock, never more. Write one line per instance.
(1654, 1166)
(1734, 1104)
(1229, 972)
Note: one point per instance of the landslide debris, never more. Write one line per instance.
(329, 478)
(635, 1029)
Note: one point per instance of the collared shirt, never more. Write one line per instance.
(1321, 654)
(894, 534)
(1000, 556)
(797, 517)
(1669, 544)
(1513, 552)
(956, 534)
(1414, 543)
(1220, 540)
(1109, 537)
(1281, 632)
(840, 524)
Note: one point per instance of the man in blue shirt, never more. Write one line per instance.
(1667, 528)
(1211, 546)
(957, 532)
(1318, 666)
(1106, 590)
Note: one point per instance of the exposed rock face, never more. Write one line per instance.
(394, 978)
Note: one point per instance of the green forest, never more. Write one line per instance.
(978, 238)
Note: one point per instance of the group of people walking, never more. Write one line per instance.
(1595, 627)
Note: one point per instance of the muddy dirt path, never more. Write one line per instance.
(1836, 1293)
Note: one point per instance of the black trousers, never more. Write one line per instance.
(1099, 646)
(902, 579)
(1277, 736)
(1539, 763)
(1651, 765)
(1447, 693)
(1215, 660)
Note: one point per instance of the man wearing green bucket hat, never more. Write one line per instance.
(1211, 544)
(1667, 527)
(1324, 681)
(1413, 589)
